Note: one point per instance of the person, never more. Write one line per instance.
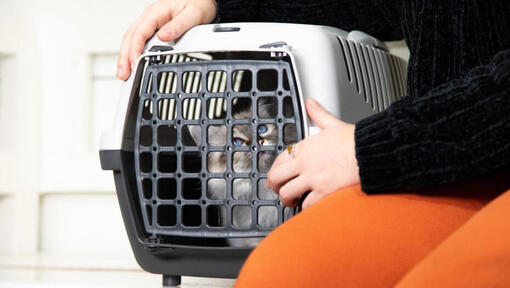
(414, 196)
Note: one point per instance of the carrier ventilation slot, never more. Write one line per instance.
(379, 77)
(191, 83)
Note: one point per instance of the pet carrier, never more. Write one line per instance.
(181, 109)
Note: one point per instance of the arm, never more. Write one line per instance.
(458, 130)
(376, 17)
(169, 19)
(174, 17)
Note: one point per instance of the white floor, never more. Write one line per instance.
(47, 271)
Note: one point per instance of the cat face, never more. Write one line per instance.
(267, 134)
(242, 161)
(242, 135)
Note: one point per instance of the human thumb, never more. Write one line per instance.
(320, 116)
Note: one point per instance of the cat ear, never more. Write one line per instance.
(196, 133)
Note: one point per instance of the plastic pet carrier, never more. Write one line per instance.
(201, 119)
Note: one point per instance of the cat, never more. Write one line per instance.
(267, 134)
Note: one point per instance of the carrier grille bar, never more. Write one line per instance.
(192, 91)
(191, 84)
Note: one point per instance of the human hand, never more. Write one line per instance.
(322, 163)
(171, 17)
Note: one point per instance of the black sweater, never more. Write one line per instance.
(454, 122)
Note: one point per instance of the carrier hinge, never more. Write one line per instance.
(275, 54)
(153, 242)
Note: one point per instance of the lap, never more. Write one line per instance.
(350, 238)
(476, 255)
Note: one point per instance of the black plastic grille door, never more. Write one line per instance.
(172, 170)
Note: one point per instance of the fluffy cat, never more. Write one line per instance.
(267, 134)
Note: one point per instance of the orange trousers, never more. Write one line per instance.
(450, 236)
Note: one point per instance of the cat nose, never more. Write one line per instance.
(261, 141)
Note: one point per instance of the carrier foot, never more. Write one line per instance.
(171, 281)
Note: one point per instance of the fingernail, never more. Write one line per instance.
(313, 103)
(119, 72)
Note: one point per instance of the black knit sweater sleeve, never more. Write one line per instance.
(412, 144)
(376, 17)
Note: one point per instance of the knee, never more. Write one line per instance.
(293, 253)
(263, 268)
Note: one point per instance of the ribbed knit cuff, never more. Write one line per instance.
(379, 169)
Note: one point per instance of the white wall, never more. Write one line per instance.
(58, 90)
(6, 212)
(86, 223)
(399, 48)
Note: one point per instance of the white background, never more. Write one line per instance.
(57, 92)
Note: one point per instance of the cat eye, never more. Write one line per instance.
(262, 129)
(238, 142)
